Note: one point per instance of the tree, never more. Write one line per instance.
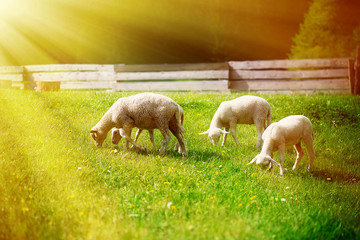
(331, 28)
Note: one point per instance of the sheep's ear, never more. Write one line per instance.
(224, 132)
(93, 131)
(122, 132)
(203, 133)
(252, 161)
(93, 135)
(272, 161)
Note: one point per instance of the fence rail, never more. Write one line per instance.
(305, 75)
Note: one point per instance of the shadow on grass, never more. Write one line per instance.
(205, 155)
(193, 155)
(334, 175)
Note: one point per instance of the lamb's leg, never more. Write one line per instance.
(180, 137)
(126, 133)
(151, 135)
(260, 130)
(233, 133)
(127, 142)
(309, 146)
(299, 154)
(281, 158)
(166, 134)
(137, 135)
(225, 136)
(177, 147)
(270, 164)
(178, 131)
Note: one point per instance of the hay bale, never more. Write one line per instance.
(5, 83)
(48, 86)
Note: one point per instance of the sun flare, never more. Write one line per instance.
(34, 33)
(8, 8)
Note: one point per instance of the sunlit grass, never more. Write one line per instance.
(55, 184)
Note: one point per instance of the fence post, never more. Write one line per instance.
(351, 70)
(28, 80)
(357, 72)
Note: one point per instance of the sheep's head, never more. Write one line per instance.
(98, 137)
(214, 134)
(263, 160)
(116, 136)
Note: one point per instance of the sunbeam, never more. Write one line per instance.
(124, 31)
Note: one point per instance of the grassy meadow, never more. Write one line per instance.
(55, 184)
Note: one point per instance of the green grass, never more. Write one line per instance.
(55, 184)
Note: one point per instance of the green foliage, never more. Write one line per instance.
(325, 33)
(54, 184)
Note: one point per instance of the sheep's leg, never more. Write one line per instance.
(281, 158)
(180, 137)
(126, 133)
(299, 154)
(310, 148)
(177, 147)
(260, 130)
(225, 136)
(233, 133)
(270, 164)
(166, 134)
(178, 131)
(127, 141)
(151, 135)
(137, 135)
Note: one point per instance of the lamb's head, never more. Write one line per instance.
(263, 160)
(98, 136)
(214, 134)
(116, 136)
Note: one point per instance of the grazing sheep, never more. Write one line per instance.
(116, 137)
(243, 110)
(144, 111)
(288, 131)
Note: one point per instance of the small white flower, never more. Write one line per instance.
(283, 200)
(287, 188)
(79, 168)
(169, 205)
(220, 166)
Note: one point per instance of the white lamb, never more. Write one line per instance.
(116, 136)
(144, 111)
(243, 110)
(288, 131)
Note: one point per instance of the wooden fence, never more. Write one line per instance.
(177, 77)
(310, 75)
(307, 75)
